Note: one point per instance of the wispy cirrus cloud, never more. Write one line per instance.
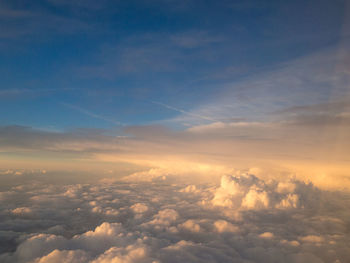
(318, 78)
(207, 118)
(21, 21)
(92, 114)
(14, 92)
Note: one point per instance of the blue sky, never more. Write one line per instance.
(71, 64)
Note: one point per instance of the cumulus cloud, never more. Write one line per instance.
(190, 225)
(241, 219)
(189, 189)
(139, 208)
(267, 235)
(224, 226)
(164, 218)
(247, 191)
(21, 210)
(132, 253)
(58, 256)
(153, 174)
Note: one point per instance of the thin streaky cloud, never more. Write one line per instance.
(185, 112)
(92, 114)
(11, 92)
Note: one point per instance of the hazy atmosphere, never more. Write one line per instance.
(174, 131)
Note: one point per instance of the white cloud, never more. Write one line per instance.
(64, 256)
(139, 208)
(189, 189)
(255, 198)
(132, 253)
(164, 218)
(312, 239)
(267, 235)
(243, 219)
(21, 210)
(246, 191)
(223, 226)
(153, 174)
(190, 225)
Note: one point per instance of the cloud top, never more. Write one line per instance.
(242, 219)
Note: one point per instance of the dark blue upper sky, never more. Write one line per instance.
(99, 64)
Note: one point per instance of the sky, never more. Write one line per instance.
(174, 131)
(82, 64)
(134, 84)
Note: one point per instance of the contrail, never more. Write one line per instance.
(184, 112)
(91, 114)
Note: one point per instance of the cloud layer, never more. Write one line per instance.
(242, 219)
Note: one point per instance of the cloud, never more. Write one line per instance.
(190, 189)
(21, 210)
(58, 256)
(184, 112)
(139, 208)
(89, 5)
(223, 226)
(312, 239)
(132, 253)
(9, 93)
(158, 222)
(267, 235)
(190, 225)
(160, 53)
(320, 79)
(164, 218)
(249, 192)
(147, 176)
(37, 21)
(155, 152)
(92, 114)
(195, 39)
